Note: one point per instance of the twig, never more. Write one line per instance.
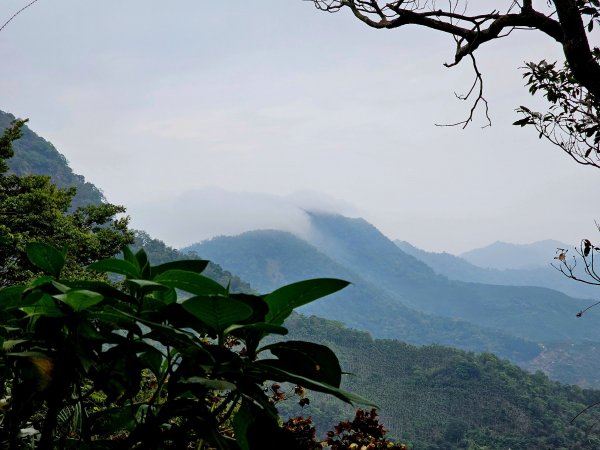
(16, 14)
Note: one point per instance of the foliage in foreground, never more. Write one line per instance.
(167, 360)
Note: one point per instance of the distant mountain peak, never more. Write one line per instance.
(505, 255)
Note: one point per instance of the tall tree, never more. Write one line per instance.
(32, 208)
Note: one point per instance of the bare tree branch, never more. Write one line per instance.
(16, 14)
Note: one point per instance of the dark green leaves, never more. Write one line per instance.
(310, 360)
(284, 300)
(190, 282)
(118, 266)
(80, 300)
(46, 257)
(142, 341)
(217, 312)
(191, 265)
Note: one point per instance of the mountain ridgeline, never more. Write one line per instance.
(394, 295)
(36, 156)
(457, 268)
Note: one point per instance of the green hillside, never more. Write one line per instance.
(538, 314)
(440, 398)
(34, 155)
(268, 259)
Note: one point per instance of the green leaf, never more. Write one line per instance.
(153, 360)
(285, 299)
(272, 372)
(46, 257)
(261, 327)
(190, 265)
(190, 282)
(44, 306)
(80, 299)
(241, 423)
(147, 286)
(10, 297)
(101, 287)
(314, 361)
(219, 385)
(217, 312)
(114, 265)
(130, 258)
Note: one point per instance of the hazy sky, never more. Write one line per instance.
(204, 117)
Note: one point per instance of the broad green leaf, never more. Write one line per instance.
(114, 265)
(130, 258)
(190, 282)
(10, 297)
(190, 265)
(80, 299)
(153, 360)
(275, 373)
(217, 312)
(285, 299)
(241, 423)
(46, 257)
(314, 361)
(41, 281)
(167, 297)
(261, 327)
(257, 303)
(143, 263)
(220, 385)
(147, 286)
(174, 336)
(101, 287)
(44, 306)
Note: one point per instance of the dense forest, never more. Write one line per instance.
(435, 397)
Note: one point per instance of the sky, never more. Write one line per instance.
(211, 118)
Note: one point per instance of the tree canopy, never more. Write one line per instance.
(32, 208)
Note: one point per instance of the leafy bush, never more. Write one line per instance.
(167, 358)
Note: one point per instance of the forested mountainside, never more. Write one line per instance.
(385, 300)
(438, 398)
(268, 259)
(536, 314)
(533, 313)
(35, 155)
(457, 268)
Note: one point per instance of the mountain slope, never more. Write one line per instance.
(504, 255)
(269, 259)
(460, 269)
(529, 312)
(440, 398)
(35, 155)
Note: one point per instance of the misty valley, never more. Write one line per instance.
(481, 350)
